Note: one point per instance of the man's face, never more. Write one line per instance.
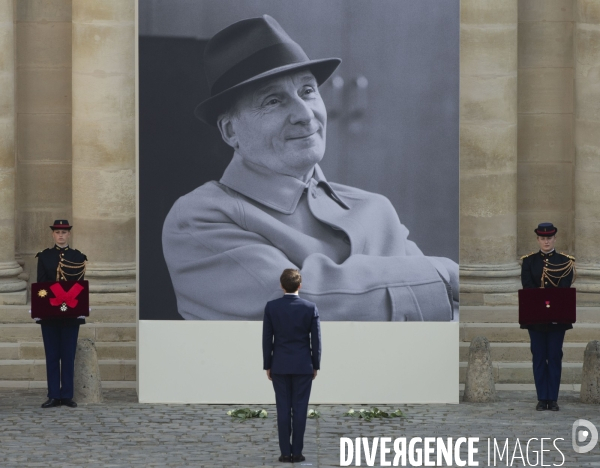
(280, 124)
(546, 243)
(61, 237)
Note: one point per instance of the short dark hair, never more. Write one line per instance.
(290, 280)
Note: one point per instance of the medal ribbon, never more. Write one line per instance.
(61, 296)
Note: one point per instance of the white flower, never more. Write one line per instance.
(229, 413)
(351, 411)
(312, 411)
(362, 410)
(263, 413)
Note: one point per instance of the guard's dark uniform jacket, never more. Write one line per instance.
(555, 270)
(61, 264)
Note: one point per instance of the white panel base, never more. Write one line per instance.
(363, 362)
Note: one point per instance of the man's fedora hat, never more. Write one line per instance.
(61, 224)
(546, 230)
(248, 51)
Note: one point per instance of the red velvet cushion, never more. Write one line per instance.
(547, 305)
(47, 299)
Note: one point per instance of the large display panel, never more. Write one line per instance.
(390, 166)
(219, 362)
(392, 130)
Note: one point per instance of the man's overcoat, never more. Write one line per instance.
(227, 242)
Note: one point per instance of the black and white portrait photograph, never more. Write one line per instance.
(311, 135)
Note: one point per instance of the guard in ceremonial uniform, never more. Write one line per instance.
(547, 269)
(60, 263)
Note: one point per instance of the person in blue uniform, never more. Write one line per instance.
(291, 357)
(547, 269)
(60, 263)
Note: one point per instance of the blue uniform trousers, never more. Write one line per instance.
(546, 350)
(292, 392)
(60, 343)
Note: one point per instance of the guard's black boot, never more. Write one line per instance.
(50, 402)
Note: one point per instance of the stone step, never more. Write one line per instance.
(35, 369)
(510, 314)
(512, 299)
(99, 314)
(522, 372)
(529, 387)
(35, 350)
(31, 384)
(511, 333)
(9, 351)
(98, 332)
(520, 352)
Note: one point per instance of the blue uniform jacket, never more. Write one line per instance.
(531, 277)
(291, 336)
(47, 270)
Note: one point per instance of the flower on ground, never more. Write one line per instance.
(263, 413)
(229, 413)
(351, 411)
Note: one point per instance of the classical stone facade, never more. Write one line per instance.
(530, 144)
(67, 150)
(530, 140)
(67, 133)
(530, 153)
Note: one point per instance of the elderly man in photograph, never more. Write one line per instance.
(291, 357)
(547, 269)
(274, 209)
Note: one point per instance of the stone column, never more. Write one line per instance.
(104, 181)
(488, 168)
(12, 289)
(587, 144)
(545, 122)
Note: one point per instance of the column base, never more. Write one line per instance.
(112, 283)
(490, 279)
(490, 285)
(588, 278)
(13, 298)
(21, 261)
(116, 299)
(588, 299)
(480, 299)
(13, 291)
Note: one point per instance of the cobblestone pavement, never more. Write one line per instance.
(123, 433)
